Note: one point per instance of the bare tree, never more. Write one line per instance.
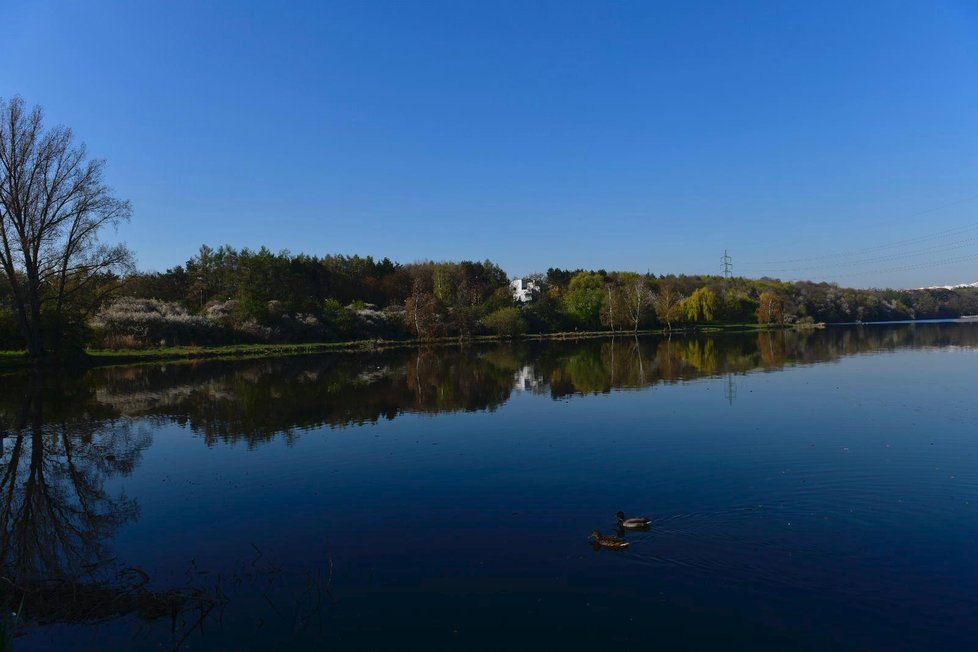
(421, 310)
(611, 306)
(638, 297)
(667, 304)
(53, 203)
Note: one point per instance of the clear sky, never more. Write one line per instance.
(617, 135)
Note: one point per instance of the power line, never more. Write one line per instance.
(879, 259)
(946, 233)
(868, 250)
(941, 263)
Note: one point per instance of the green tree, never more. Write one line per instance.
(585, 295)
(505, 322)
(737, 306)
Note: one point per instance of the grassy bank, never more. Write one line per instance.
(103, 357)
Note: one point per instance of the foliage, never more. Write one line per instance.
(505, 322)
(638, 298)
(737, 306)
(421, 311)
(144, 322)
(701, 306)
(770, 308)
(227, 296)
(584, 297)
(668, 304)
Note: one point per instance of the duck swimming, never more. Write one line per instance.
(634, 523)
(608, 541)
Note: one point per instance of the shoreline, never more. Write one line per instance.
(92, 358)
(14, 360)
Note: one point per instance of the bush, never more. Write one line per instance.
(338, 319)
(505, 322)
(221, 312)
(150, 322)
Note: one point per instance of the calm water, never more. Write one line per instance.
(808, 491)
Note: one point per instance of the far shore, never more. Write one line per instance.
(108, 357)
(12, 360)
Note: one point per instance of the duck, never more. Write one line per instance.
(608, 541)
(634, 523)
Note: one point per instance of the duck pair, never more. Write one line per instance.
(611, 541)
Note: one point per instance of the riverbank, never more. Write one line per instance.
(108, 357)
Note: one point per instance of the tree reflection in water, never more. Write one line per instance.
(258, 400)
(56, 518)
(65, 437)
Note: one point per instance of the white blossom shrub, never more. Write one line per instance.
(150, 322)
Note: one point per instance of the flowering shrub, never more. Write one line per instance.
(255, 331)
(140, 323)
(150, 322)
(221, 312)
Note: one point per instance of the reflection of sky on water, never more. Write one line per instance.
(442, 499)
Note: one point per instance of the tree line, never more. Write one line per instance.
(62, 289)
(226, 295)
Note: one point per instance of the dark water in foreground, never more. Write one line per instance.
(808, 491)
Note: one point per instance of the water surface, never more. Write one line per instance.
(808, 490)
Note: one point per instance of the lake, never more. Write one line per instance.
(808, 490)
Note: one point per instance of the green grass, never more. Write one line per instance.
(102, 357)
(228, 349)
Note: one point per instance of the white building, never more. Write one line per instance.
(523, 290)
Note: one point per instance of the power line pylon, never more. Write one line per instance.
(727, 263)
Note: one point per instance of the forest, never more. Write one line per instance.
(226, 295)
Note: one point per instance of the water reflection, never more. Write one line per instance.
(64, 438)
(60, 445)
(255, 401)
(57, 519)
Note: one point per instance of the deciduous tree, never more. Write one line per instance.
(584, 297)
(637, 297)
(667, 304)
(702, 305)
(421, 310)
(770, 309)
(53, 206)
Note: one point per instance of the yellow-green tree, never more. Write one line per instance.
(702, 305)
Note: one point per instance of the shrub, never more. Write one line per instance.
(505, 322)
(149, 322)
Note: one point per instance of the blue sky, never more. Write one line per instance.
(617, 135)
